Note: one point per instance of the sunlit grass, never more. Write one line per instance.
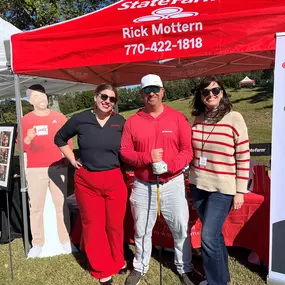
(67, 270)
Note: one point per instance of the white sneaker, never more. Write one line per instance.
(205, 282)
(35, 251)
(69, 247)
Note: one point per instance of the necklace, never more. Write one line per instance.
(211, 113)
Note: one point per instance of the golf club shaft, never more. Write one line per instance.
(159, 232)
(158, 195)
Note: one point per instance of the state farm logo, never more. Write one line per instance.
(166, 13)
(283, 64)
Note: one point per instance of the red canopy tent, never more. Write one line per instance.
(173, 38)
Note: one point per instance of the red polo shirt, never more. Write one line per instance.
(170, 131)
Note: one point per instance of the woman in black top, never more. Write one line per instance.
(99, 186)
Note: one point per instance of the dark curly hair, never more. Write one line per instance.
(198, 107)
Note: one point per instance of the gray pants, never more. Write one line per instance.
(174, 208)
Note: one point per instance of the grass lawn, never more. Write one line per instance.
(256, 107)
(71, 269)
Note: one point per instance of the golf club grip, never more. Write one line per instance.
(158, 195)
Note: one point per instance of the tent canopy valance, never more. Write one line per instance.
(173, 38)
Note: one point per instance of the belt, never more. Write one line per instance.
(97, 170)
(152, 182)
(160, 182)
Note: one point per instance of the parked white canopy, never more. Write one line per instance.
(7, 85)
(247, 80)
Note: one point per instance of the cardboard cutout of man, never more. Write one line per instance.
(46, 168)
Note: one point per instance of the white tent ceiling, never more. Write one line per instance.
(6, 30)
(7, 89)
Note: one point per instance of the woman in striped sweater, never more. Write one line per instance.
(218, 173)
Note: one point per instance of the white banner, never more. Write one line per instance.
(276, 273)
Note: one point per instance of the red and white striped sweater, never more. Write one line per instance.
(226, 148)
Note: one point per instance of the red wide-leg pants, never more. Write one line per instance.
(101, 198)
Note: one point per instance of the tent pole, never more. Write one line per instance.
(22, 164)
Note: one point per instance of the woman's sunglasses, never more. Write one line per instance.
(215, 91)
(112, 99)
(147, 90)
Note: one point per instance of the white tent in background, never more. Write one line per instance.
(7, 87)
(6, 30)
(247, 80)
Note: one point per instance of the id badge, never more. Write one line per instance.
(42, 130)
(203, 161)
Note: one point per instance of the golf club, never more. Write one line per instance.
(159, 232)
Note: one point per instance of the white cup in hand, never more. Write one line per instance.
(159, 168)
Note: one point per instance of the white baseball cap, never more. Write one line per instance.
(151, 80)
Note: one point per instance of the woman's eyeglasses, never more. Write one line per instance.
(215, 91)
(112, 99)
(147, 90)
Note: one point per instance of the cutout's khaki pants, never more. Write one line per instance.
(39, 180)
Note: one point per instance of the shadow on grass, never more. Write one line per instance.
(241, 255)
(262, 94)
(167, 261)
(265, 107)
(81, 259)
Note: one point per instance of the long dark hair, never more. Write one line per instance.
(198, 107)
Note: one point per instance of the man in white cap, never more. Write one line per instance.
(157, 141)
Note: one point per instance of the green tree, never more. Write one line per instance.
(267, 80)
(26, 106)
(8, 110)
(129, 98)
(30, 14)
(84, 99)
(68, 9)
(231, 80)
(67, 104)
(178, 89)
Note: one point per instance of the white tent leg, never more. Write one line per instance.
(276, 272)
(22, 165)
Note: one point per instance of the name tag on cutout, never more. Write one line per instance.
(42, 130)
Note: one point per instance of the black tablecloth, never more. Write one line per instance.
(15, 207)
